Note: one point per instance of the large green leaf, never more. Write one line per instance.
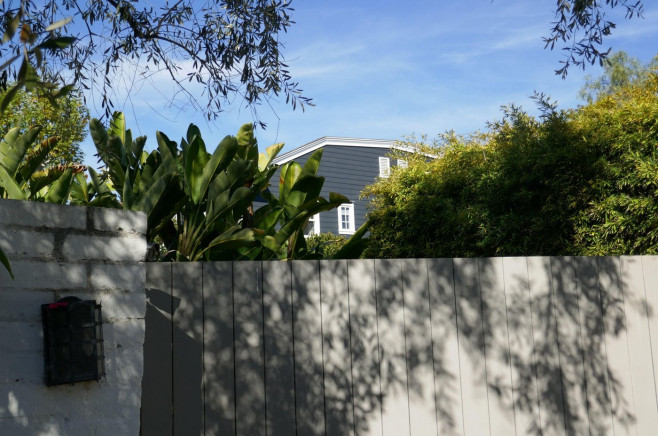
(35, 158)
(313, 162)
(59, 191)
(15, 152)
(289, 174)
(271, 152)
(196, 157)
(12, 190)
(219, 160)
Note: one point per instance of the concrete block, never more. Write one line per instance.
(23, 305)
(104, 248)
(117, 220)
(20, 367)
(21, 337)
(42, 215)
(27, 243)
(34, 275)
(121, 305)
(118, 277)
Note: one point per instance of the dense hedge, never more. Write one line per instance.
(577, 182)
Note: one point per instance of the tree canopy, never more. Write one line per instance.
(232, 47)
(573, 182)
(67, 121)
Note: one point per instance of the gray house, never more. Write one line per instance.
(348, 165)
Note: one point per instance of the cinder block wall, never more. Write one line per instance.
(91, 253)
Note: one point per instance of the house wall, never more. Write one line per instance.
(90, 253)
(347, 171)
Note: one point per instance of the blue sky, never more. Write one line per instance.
(388, 69)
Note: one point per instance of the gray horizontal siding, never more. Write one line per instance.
(347, 170)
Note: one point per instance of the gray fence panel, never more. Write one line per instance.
(307, 327)
(524, 381)
(338, 386)
(445, 347)
(545, 338)
(364, 346)
(640, 315)
(393, 363)
(496, 346)
(249, 363)
(418, 340)
(279, 363)
(593, 341)
(218, 359)
(471, 348)
(157, 402)
(187, 294)
(620, 384)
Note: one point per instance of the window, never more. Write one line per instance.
(402, 163)
(384, 167)
(346, 218)
(313, 226)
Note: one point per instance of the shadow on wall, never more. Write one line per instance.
(418, 346)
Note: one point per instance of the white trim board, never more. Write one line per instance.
(343, 142)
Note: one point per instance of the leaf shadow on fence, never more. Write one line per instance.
(454, 346)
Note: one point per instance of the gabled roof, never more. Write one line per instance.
(339, 141)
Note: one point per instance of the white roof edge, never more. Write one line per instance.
(340, 141)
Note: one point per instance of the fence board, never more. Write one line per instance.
(496, 346)
(650, 273)
(364, 347)
(593, 342)
(524, 381)
(620, 384)
(545, 338)
(418, 329)
(567, 312)
(249, 360)
(307, 327)
(639, 344)
(445, 347)
(393, 365)
(471, 348)
(157, 402)
(218, 358)
(339, 402)
(187, 292)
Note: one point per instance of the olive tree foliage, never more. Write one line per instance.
(571, 182)
(580, 27)
(231, 47)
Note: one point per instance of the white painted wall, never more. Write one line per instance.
(90, 253)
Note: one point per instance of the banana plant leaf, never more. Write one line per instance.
(5, 261)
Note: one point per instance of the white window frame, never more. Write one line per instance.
(402, 163)
(349, 209)
(384, 167)
(315, 219)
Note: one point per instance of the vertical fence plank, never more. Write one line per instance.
(524, 381)
(418, 340)
(307, 327)
(218, 359)
(638, 325)
(620, 384)
(249, 363)
(650, 270)
(393, 365)
(496, 346)
(592, 336)
(339, 401)
(157, 419)
(471, 348)
(545, 337)
(566, 307)
(187, 338)
(365, 347)
(279, 364)
(445, 347)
